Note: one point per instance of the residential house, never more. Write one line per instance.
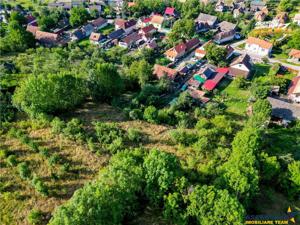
(205, 22)
(212, 83)
(230, 51)
(257, 5)
(181, 49)
(78, 35)
(220, 6)
(97, 38)
(237, 12)
(260, 16)
(130, 40)
(198, 95)
(151, 45)
(157, 21)
(147, 32)
(47, 38)
(297, 19)
(163, 71)
(32, 29)
(294, 90)
(224, 36)
(87, 29)
(200, 52)
(226, 26)
(280, 18)
(207, 72)
(171, 12)
(117, 34)
(99, 23)
(127, 26)
(241, 66)
(144, 22)
(258, 46)
(294, 56)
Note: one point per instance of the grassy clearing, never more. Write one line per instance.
(236, 98)
(28, 4)
(18, 196)
(106, 30)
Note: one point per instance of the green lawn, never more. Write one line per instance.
(236, 99)
(28, 3)
(108, 29)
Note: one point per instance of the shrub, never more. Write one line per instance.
(74, 130)
(150, 114)
(49, 94)
(35, 217)
(33, 146)
(91, 145)
(44, 152)
(183, 137)
(39, 186)
(54, 159)
(106, 133)
(57, 125)
(3, 154)
(116, 145)
(134, 135)
(24, 170)
(135, 114)
(65, 167)
(11, 160)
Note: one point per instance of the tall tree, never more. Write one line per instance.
(79, 15)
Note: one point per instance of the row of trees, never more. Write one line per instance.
(117, 194)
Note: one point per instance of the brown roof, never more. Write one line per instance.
(238, 73)
(148, 29)
(295, 86)
(157, 19)
(131, 38)
(295, 53)
(125, 24)
(161, 71)
(192, 43)
(226, 26)
(32, 29)
(99, 22)
(261, 43)
(46, 37)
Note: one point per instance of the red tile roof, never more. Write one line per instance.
(222, 70)
(295, 53)
(261, 43)
(161, 71)
(212, 83)
(170, 11)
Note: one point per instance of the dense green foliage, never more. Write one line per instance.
(49, 93)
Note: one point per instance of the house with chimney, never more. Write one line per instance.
(131, 40)
(241, 67)
(171, 12)
(97, 38)
(157, 21)
(294, 56)
(99, 23)
(258, 47)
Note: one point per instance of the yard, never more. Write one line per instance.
(108, 29)
(236, 99)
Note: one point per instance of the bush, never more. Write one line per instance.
(3, 154)
(11, 160)
(106, 133)
(151, 114)
(135, 114)
(91, 145)
(57, 125)
(24, 170)
(35, 217)
(74, 130)
(183, 137)
(49, 94)
(134, 135)
(39, 186)
(116, 145)
(54, 159)
(44, 152)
